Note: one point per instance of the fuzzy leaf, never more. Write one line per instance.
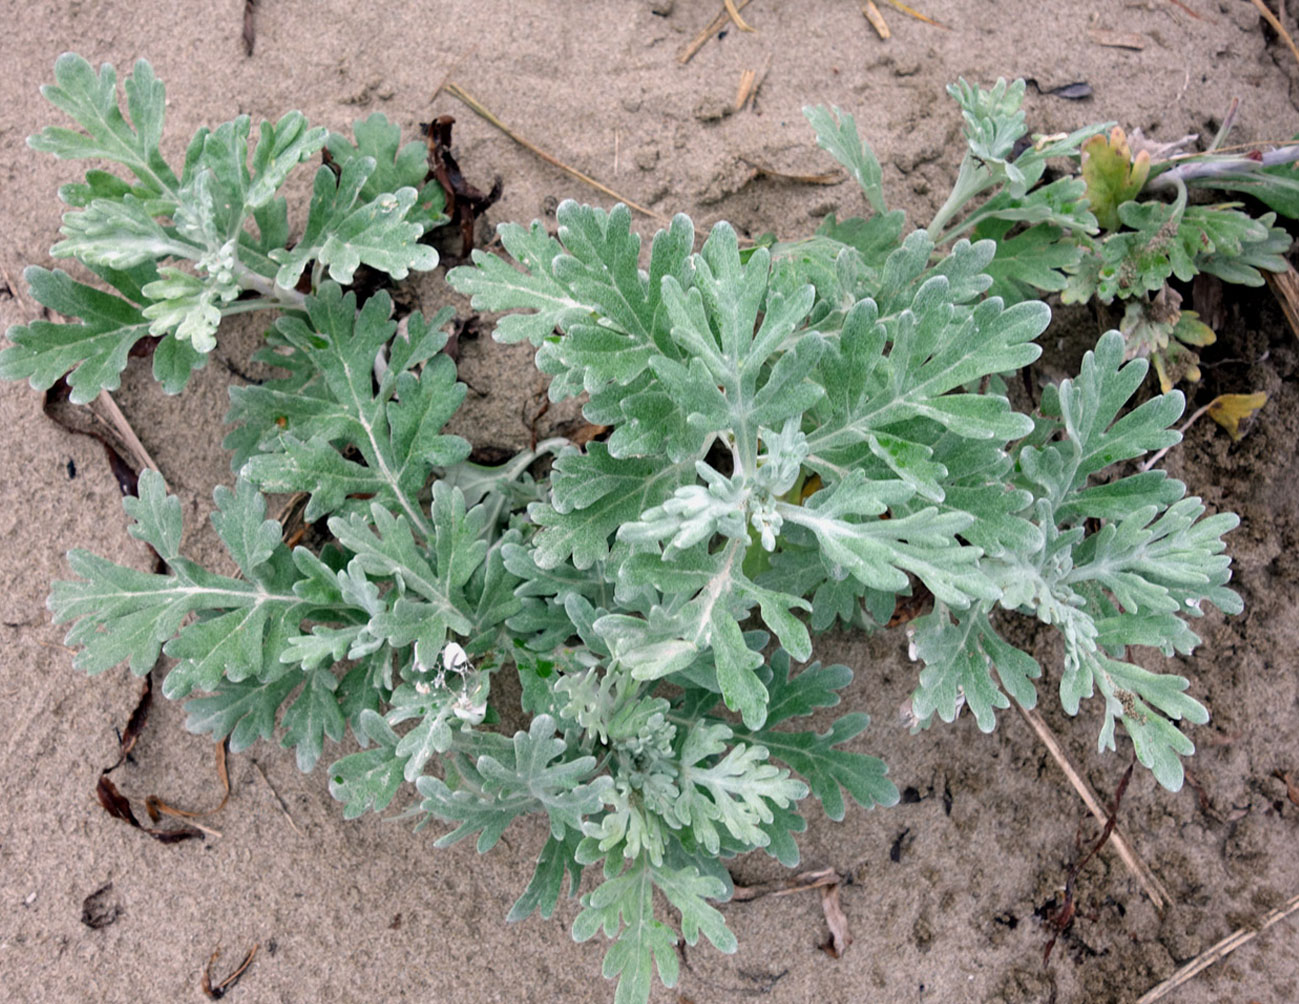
(92, 102)
(343, 232)
(623, 905)
(836, 132)
(397, 430)
(94, 349)
(396, 166)
(245, 711)
(314, 715)
(122, 614)
(528, 781)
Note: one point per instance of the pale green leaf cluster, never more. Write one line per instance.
(799, 434)
(180, 249)
(1048, 240)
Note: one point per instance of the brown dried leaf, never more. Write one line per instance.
(117, 805)
(249, 33)
(114, 802)
(840, 938)
(587, 432)
(135, 724)
(464, 202)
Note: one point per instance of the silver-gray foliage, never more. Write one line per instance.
(799, 434)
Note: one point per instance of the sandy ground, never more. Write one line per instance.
(947, 886)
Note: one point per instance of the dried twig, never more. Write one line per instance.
(917, 15)
(107, 410)
(746, 89)
(784, 887)
(1198, 17)
(1277, 26)
(828, 178)
(157, 808)
(1152, 887)
(1064, 916)
(734, 14)
(1118, 39)
(1228, 410)
(750, 81)
(278, 799)
(713, 27)
(456, 91)
(218, 990)
(876, 19)
(1222, 949)
(451, 70)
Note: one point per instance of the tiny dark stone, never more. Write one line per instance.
(96, 911)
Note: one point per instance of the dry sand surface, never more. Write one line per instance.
(946, 888)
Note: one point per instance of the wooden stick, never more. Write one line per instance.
(1152, 887)
(1222, 949)
(456, 91)
(1277, 26)
(714, 26)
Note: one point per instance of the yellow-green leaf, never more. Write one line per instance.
(1112, 174)
(1229, 410)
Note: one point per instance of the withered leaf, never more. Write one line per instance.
(117, 805)
(840, 938)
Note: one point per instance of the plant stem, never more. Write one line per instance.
(970, 181)
(257, 283)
